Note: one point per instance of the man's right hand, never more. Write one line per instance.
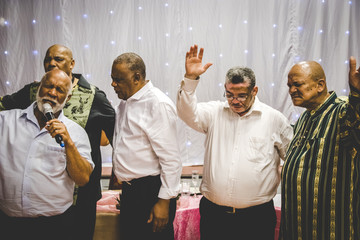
(193, 63)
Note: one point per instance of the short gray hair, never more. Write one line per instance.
(239, 75)
(133, 61)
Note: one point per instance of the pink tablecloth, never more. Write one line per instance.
(187, 219)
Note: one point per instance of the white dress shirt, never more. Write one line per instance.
(33, 177)
(145, 140)
(242, 154)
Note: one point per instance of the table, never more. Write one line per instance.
(186, 222)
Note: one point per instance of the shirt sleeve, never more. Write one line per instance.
(196, 115)
(105, 113)
(162, 134)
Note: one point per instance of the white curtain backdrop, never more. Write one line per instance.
(268, 36)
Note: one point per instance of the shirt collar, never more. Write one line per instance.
(30, 115)
(324, 105)
(142, 91)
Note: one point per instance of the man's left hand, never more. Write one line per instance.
(354, 74)
(159, 215)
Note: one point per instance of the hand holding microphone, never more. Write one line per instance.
(48, 112)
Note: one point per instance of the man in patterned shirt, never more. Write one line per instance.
(320, 177)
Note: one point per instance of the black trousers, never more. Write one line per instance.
(253, 223)
(59, 227)
(137, 200)
(84, 215)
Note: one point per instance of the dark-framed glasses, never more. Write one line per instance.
(240, 98)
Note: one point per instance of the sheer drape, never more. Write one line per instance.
(268, 36)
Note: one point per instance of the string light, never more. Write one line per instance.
(111, 12)
(274, 25)
(139, 38)
(166, 4)
(112, 42)
(86, 46)
(245, 21)
(273, 55)
(220, 25)
(347, 32)
(320, 31)
(35, 52)
(190, 28)
(58, 17)
(33, 21)
(6, 52)
(188, 143)
(8, 83)
(85, 16)
(140, 8)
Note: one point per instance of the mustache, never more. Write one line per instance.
(47, 99)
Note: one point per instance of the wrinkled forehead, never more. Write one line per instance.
(59, 51)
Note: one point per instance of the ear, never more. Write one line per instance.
(137, 77)
(254, 91)
(321, 85)
(72, 64)
(68, 97)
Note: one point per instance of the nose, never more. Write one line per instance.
(52, 62)
(292, 89)
(52, 92)
(113, 84)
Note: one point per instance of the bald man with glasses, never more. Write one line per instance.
(245, 140)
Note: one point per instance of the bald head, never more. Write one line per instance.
(307, 84)
(59, 57)
(313, 69)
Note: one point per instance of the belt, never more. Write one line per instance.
(233, 210)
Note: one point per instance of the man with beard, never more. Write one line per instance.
(88, 107)
(37, 174)
(245, 140)
(320, 185)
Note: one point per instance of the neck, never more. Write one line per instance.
(320, 100)
(40, 117)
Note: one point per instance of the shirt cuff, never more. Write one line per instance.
(189, 85)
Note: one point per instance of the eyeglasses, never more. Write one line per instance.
(241, 98)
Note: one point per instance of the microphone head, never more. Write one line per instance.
(47, 108)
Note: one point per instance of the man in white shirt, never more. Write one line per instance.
(245, 140)
(37, 174)
(145, 152)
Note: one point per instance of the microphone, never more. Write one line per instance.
(48, 112)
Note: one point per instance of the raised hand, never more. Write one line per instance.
(354, 74)
(193, 63)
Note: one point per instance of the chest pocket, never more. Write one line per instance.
(258, 149)
(56, 162)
